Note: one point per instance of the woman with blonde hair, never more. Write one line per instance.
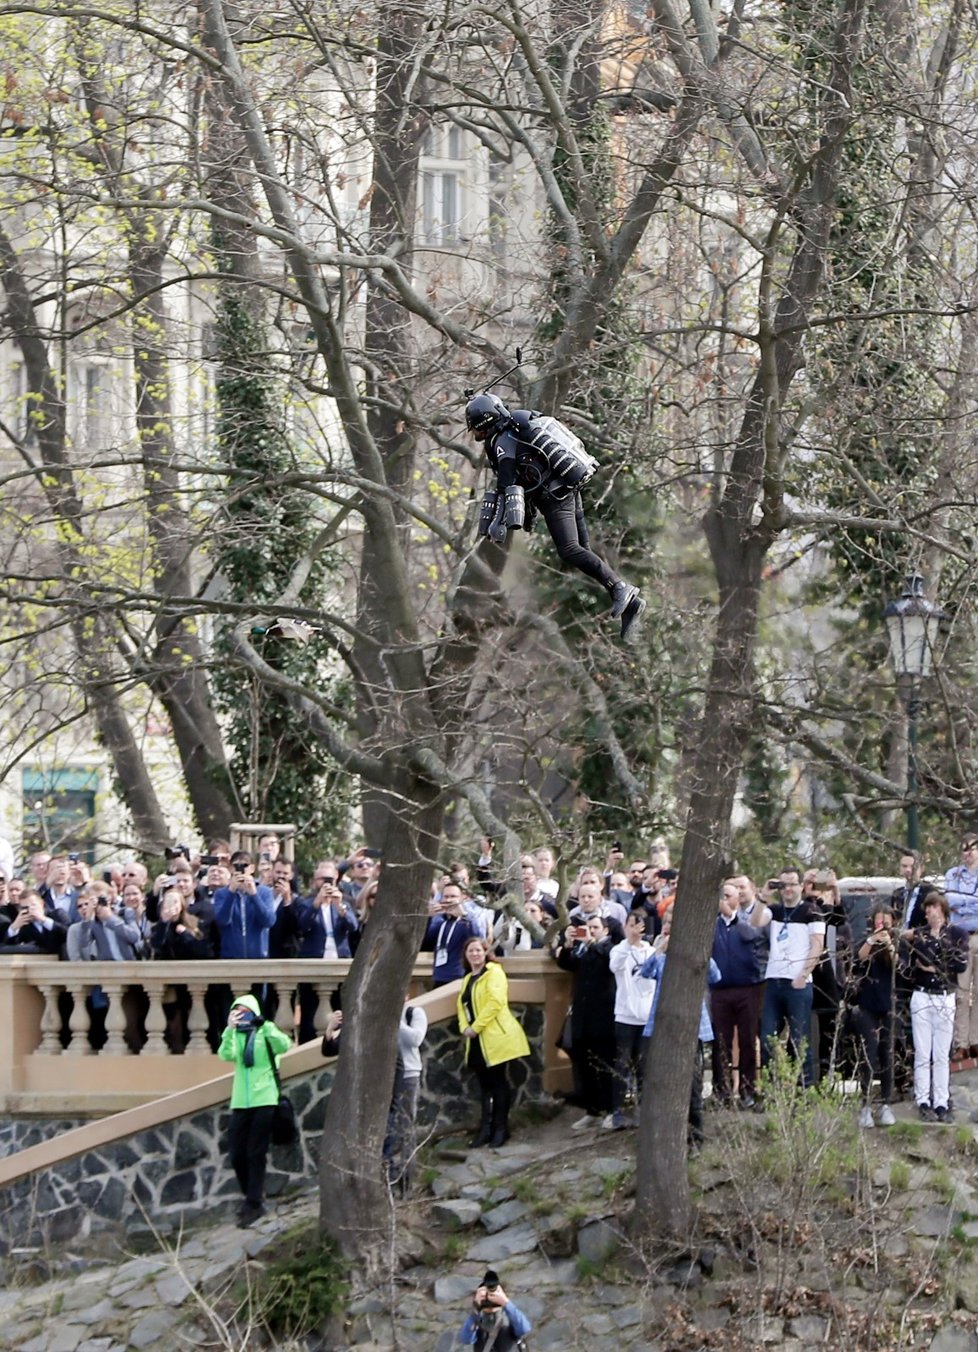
(176, 937)
(493, 1038)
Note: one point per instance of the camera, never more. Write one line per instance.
(491, 1282)
(73, 857)
(176, 852)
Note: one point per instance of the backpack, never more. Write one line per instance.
(550, 445)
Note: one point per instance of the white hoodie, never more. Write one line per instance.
(633, 998)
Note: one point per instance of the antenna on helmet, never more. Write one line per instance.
(469, 394)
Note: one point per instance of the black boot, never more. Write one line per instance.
(632, 613)
(484, 1134)
(500, 1120)
(622, 594)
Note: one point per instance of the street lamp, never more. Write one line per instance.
(912, 624)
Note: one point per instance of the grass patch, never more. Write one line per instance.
(453, 1248)
(526, 1190)
(298, 1292)
(612, 1184)
(899, 1175)
(909, 1133)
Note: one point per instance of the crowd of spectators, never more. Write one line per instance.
(783, 951)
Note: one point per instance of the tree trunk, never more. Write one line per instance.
(754, 485)
(663, 1204)
(355, 1202)
(177, 674)
(97, 668)
(398, 128)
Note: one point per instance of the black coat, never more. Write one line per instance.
(595, 988)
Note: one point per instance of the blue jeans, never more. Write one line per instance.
(783, 1004)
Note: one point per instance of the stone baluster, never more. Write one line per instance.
(115, 1020)
(284, 1014)
(323, 1009)
(155, 1023)
(197, 1044)
(80, 1021)
(50, 1044)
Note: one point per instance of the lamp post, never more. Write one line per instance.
(912, 625)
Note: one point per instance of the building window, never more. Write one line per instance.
(91, 395)
(59, 810)
(442, 185)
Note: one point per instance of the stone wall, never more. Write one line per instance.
(157, 1179)
(20, 1133)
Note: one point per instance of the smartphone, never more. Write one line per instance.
(616, 847)
(374, 854)
(73, 858)
(668, 875)
(209, 859)
(775, 885)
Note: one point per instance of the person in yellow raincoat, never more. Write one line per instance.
(493, 1038)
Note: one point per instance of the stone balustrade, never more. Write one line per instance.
(49, 1066)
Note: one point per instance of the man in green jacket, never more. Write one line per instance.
(252, 1044)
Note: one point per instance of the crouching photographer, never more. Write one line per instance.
(495, 1322)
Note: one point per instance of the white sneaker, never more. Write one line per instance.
(583, 1122)
(885, 1116)
(866, 1117)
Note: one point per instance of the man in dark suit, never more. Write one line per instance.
(326, 920)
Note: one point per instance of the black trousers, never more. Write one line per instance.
(596, 1060)
(494, 1086)
(630, 1048)
(248, 1138)
(734, 1009)
(875, 1034)
(565, 521)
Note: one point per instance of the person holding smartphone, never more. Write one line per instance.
(871, 1012)
(244, 911)
(633, 1003)
(585, 950)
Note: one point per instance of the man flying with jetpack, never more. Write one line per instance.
(541, 466)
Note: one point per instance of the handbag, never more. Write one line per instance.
(565, 1039)
(285, 1130)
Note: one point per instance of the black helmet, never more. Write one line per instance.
(483, 411)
